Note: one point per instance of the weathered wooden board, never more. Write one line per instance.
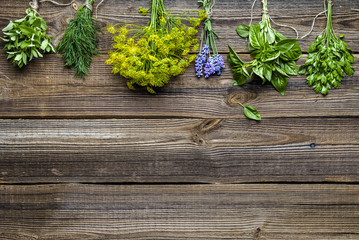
(179, 212)
(182, 150)
(56, 93)
(227, 16)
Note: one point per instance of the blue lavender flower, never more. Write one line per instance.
(220, 61)
(205, 50)
(218, 64)
(199, 65)
(209, 67)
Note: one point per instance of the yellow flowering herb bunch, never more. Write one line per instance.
(148, 56)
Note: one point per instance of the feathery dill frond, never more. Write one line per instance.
(79, 42)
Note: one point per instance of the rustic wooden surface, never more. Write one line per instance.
(94, 160)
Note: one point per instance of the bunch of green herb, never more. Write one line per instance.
(149, 56)
(26, 39)
(328, 59)
(79, 42)
(206, 63)
(274, 54)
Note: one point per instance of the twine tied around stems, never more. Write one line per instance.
(58, 4)
(86, 4)
(265, 11)
(210, 13)
(34, 5)
(315, 18)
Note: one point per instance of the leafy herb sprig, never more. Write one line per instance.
(274, 54)
(149, 56)
(26, 39)
(328, 59)
(79, 42)
(206, 63)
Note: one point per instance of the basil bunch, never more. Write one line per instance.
(328, 60)
(274, 55)
(26, 38)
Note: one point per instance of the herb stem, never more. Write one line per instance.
(240, 104)
(265, 14)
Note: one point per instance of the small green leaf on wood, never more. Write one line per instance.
(251, 112)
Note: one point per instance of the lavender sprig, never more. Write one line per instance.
(207, 64)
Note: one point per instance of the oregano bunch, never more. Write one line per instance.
(274, 55)
(207, 64)
(150, 55)
(328, 59)
(79, 42)
(26, 38)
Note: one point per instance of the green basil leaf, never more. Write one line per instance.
(243, 31)
(285, 45)
(239, 78)
(233, 57)
(254, 36)
(267, 72)
(270, 56)
(290, 68)
(252, 113)
(256, 54)
(270, 36)
(294, 54)
(302, 70)
(279, 82)
(281, 71)
(258, 70)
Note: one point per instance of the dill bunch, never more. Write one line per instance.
(79, 42)
(26, 39)
(149, 56)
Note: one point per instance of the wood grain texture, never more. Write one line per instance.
(179, 150)
(179, 212)
(56, 93)
(227, 16)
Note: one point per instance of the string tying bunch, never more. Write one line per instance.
(34, 5)
(266, 12)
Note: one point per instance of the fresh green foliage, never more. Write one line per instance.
(79, 42)
(328, 60)
(274, 55)
(149, 56)
(250, 112)
(26, 39)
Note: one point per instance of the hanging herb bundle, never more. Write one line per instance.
(274, 54)
(26, 38)
(79, 42)
(206, 63)
(148, 56)
(328, 59)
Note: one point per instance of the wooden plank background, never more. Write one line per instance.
(94, 160)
